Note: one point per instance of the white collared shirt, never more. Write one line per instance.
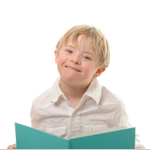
(98, 108)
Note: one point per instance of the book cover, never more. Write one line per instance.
(30, 138)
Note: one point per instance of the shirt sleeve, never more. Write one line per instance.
(35, 117)
(121, 119)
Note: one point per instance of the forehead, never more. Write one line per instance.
(81, 42)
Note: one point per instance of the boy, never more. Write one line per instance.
(76, 102)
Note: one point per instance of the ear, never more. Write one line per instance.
(99, 72)
(55, 52)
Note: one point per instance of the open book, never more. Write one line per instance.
(111, 138)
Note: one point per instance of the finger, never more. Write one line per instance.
(10, 147)
(14, 146)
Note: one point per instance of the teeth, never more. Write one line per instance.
(72, 68)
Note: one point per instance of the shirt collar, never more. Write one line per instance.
(56, 91)
(93, 91)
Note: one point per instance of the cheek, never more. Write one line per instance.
(89, 68)
(61, 59)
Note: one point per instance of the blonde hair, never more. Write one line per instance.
(100, 43)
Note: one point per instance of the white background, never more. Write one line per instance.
(29, 31)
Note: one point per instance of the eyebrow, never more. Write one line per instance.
(83, 51)
(89, 53)
(70, 46)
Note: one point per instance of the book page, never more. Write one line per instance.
(98, 131)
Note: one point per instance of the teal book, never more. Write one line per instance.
(111, 138)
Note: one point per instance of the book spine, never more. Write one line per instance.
(69, 144)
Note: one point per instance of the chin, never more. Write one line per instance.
(70, 79)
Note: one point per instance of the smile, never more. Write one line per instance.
(72, 68)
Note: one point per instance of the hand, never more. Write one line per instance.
(12, 146)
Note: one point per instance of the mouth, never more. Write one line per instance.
(73, 68)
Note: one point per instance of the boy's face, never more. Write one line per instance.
(77, 65)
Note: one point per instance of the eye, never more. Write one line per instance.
(86, 57)
(69, 51)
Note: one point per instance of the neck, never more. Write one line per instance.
(72, 92)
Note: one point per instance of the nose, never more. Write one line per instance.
(75, 60)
